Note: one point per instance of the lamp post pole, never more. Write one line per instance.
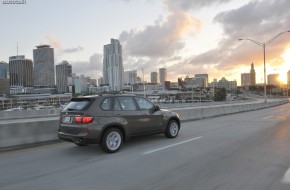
(265, 85)
(263, 45)
(287, 89)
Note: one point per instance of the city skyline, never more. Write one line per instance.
(184, 37)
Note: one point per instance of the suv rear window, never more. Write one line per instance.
(77, 104)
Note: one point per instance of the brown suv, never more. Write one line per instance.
(109, 120)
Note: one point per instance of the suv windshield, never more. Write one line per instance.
(77, 104)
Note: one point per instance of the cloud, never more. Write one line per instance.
(257, 20)
(162, 39)
(92, 68)
(189, 4)
(53, 41)
(73, 50)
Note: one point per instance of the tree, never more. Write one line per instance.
(220, 94)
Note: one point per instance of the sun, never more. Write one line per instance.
(283, 78)
(285, 67)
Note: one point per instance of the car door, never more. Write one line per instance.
(152, 119)
(127, 114)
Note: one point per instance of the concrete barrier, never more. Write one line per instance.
(33, 126)
(28, 114)
(217, 110)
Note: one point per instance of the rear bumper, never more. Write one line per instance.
(77, 138)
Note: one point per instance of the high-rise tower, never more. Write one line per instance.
(113, 69)
(162, 76)
(43, 57)
(253, 75)
(21, 74)
(63, 77)
(154, 77)
(4, 78)
(4, 70)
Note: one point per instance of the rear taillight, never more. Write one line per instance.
(83, 119)
(87, 119)
(78, 119)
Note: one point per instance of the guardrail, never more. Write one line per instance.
(33, 126)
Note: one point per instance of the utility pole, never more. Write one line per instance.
(143, 82)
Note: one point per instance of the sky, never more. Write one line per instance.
(186, 37)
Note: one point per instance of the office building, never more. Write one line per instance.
(194, 82)
(214, 84)
(4, 79)
(4, 70)
(63, 77)
(253, 75)
(162, 76)
(273, 79)
(20, 74)
(113, 70)
(93, 82)
(4, 87)
(245, 79)
(232, 85)
(154, 77)
(130, 77)
(80, 84)
(205, 77)
(44, 75)
(224, 83)
(249, 79)
(101, 81)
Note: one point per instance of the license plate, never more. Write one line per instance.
(66, 120)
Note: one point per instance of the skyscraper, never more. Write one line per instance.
(253, 75)
(154, 77)
(4, 70)
(21, 74)
(43, 57)
(63, 76)
(113, 69)
(249, 79)
(4, 78)
(162, 76)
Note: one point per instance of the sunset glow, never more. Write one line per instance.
(285, 67)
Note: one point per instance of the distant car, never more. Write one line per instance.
(109, 120)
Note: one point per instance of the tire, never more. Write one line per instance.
(112, 140)
(172, 129)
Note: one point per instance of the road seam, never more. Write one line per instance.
(268, 117)
(169, 146)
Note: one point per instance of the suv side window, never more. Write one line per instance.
(106, 104)
(117, 106)
(127, 103)
(144, 104)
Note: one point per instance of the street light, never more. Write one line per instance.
(263, 45)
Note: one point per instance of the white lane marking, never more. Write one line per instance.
(286, 178)
(169, 146)
(268, 117)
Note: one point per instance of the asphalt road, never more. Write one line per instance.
(245, 151)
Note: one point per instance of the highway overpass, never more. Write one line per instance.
(20, 128)
(248, 150)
